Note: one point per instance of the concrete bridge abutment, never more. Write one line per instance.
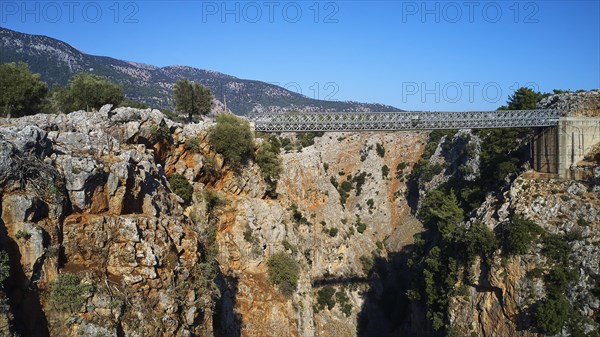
(556, 150)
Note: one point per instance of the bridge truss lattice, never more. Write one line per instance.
(395, 121)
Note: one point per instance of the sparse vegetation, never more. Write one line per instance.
(307, 139)
(232, 137)
(182, 187)
(4, 267)
(288, 246)
(520, 233)
(22, 234)
(325, 297)
(368, 262)
(67, 293)
(193, 144)
(213, 199)
(283, 271)
(380, 150)
(385, 170)
(160, 133)
(268, 159)
(344, 301)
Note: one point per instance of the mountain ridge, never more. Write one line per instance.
(57, 61)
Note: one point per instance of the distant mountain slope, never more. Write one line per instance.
(57, 61)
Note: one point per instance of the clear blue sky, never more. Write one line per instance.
(415, 55)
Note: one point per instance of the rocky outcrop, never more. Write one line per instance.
(575, 104)
(501, 302)
(87, 194)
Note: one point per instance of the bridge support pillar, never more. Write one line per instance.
(544, 150)
(556, 150)
(576, 137)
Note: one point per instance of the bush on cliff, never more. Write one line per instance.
(67, 293)
(233, 138)
(181, 187)
(283, 272)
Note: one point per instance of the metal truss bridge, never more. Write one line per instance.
(394, 121)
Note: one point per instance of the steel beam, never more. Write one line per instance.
(396, 121)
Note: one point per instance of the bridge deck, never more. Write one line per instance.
(395, 121)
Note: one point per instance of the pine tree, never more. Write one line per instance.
(192, 98)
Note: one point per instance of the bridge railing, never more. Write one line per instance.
(394, 121)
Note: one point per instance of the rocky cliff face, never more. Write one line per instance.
(87, 194)
(577, 104)
(501, 301)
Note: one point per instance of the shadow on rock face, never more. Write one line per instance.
(226, 321)
(387, 310)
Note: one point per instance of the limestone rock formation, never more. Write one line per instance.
(87, 194)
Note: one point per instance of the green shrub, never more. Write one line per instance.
(283, 271)
(325, 298)
(556, 247)
(307, 139)
(213, 199)
(160, 133)
(269, 161)
(21, 91)
(297, 215)
(193, 144)
(88, 91)
(520, 233)
(441, 211)
(371, 203)
(22, 234)
(385, 170)
(333, 232)
(232, 137)
(334, 182)
(361, 227)
(67, 293)
(130, 103)
(346, 186)
(359, 179)
(479, 240)
(288, 246)
(4, 267)
(249, 235)
(181, 187)
(344, 301)
(368, 262)
(552, 314)
(380, 150)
